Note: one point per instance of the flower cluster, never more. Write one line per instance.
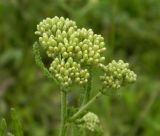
(89, 47)
(90, 121)
(116, 74)
(63, 42)
(69, 71)
(56, 36)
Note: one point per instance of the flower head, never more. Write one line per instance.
(90, 121)
(55, 36)
(68, 71)
(116, 74)
(70, 49)
(89, 47)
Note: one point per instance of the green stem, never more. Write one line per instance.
(73, 129)
(88, 89)
(83, 108)
(82, 132)
(63, 113)
(87, 96)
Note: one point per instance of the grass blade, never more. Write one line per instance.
(17, 128)
(3, 127)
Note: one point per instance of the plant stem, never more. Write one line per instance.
(78, 113)
(87, 96)
(73, 131)
(63, 113)
(82, 132)
(88, 89)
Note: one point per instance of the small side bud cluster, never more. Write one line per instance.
(68, 72)
(63, 42)
(90, 121)
(116, 74)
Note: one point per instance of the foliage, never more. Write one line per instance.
(16, 126)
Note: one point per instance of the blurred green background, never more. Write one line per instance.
(131, 29)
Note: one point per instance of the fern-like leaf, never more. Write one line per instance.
(39, 62)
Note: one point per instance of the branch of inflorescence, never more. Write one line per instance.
(86, 106)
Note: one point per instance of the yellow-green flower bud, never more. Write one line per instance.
(68, 72)
(70, 48)
(90, 121)
(117, 74)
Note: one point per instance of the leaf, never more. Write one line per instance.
(17, 128)
(38, 59)
(3, 127)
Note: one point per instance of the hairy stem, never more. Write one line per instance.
(73, 129)
(83, 108)
(87, 96)
(63, 113)
(88, 89)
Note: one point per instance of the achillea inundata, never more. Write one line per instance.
(71, 49)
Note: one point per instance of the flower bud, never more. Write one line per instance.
(90, 121)
(116, 74)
